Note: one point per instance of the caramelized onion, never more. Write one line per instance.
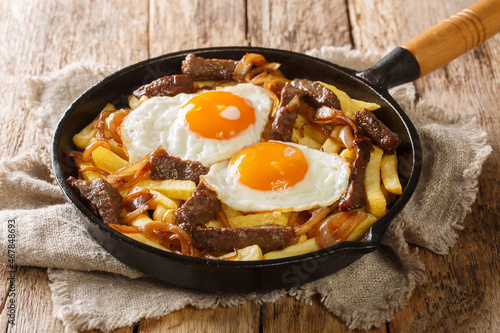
(128, 171)
(125, 229)
(88, 151)
(93, 169)
(113, 122)
(246, 63)
(346, 136)
(129, 218)
(337, 227)
(137, 197)
(317, 216)
(100, 124)
(165, 232)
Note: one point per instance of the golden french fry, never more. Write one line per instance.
(162, 200)
(389, 197)
(389, 173)
(375, 198)
(361, 229)
(304, 140)
(164, 214)
(331, 146)
(230, 212)
(140, 220)
(348, 105)
(143, 239)
(310, 136)
(134, 102)
(252, 252)
(83, 139)
(87, 175)
(309, 245)
(107, 160)
(302, 239)
(172, 188)
(260, 219)
(349, 153)
(213, 224)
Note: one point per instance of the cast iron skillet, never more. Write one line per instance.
(404, 64)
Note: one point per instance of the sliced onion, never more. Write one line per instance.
(317, 216)
(167, 232)
(130, 217)
(222, 218)
(337, 227)
(346, 136)
(88, 151)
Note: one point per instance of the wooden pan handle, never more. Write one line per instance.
(455, 36)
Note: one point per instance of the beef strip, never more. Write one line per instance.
(167, 86)
(286, 114)
(198, 209)
(164, 166)
(355, 196)
(208, 69)
(321, 95)
(377, 131)
(268, 238)
(104, 200)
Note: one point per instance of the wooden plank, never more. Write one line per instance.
(33, 305)
(298, 25)
(181, 25)
(242, 318)
(462, 291)
(302, 318)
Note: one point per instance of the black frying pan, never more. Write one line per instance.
(402, 65)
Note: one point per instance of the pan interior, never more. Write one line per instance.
(116, 88)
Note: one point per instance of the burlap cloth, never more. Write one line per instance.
(91, 289)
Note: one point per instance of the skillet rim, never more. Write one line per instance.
(377, 230)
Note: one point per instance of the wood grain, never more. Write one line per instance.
(242, 318)
(289, 24)
(463, 287)
(181, 25)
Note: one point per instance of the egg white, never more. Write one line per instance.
(161, 121)
(325, 182)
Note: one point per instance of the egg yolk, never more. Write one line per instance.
(269, 166)
(219, 115)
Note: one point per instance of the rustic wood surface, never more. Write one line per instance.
(462, 291)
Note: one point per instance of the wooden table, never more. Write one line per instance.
(462, 291)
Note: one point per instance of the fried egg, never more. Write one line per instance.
(207, 127)
(279, 176)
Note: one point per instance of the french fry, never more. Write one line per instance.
(164, 214)
(213, 224)
(389, 173)
(302, 239)
(331, 146)
(162, 200)
(87, 175)
(252, 252)
(389, 197)
(134, 102)
(143, 239)
(117, 149)
(348, 105)
(260, 219)
(107, 160)
(309, 245)
(374, 196)
(172, 188)
(309, 130)
(230, 212)
(348, 153)
(83, 139)
(142, 219)
(361, 229)
(304, 140)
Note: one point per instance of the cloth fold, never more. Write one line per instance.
(84, 277)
